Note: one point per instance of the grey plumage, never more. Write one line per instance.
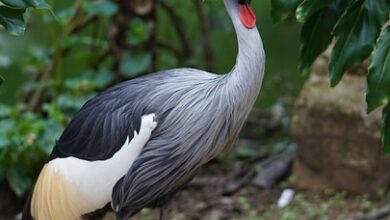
(200, 114)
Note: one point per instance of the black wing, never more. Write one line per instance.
(101, 127)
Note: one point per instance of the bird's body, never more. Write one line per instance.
(140, 141)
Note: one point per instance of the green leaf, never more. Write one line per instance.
(4, 142)
(135, 65)
(282, 9)
(11, 14)
(356, 34)
(378, 80)
(102, 8)
(23, 4)
(19, 179)
(65, 15)
(5, 111)
(1, 80)
(5, 61)
(316, 33)
(6, 125)
(12, 20)
(386, 130)
(138, 32)
(309, 7)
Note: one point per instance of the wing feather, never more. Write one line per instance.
(101, 126)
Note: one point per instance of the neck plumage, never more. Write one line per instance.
(244, 80)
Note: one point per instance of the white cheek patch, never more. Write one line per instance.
(93, 181)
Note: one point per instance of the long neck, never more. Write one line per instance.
(247, 75)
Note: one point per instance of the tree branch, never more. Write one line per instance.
(176, 20)
(205, 36)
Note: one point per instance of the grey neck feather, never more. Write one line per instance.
(242, 84)
(247, 75)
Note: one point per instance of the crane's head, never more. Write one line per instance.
(247, 15)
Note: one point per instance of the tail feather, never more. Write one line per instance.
(55, 198)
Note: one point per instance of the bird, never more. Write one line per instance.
(136, 144)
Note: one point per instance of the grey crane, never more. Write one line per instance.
(136, 144)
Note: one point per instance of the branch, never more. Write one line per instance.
(169, 47)
(76, 24)
(377, 214)
(176, 20)
(205, 30)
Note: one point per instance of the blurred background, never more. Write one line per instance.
(306, 152)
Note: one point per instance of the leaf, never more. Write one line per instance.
(103, 8)
(11, 14)
(23, 4)
(386, 130)
(12, 20)
(138, 32)
(356, 33)
(4, 142)
(5, 61)
(316, 33)
(133, 66)
(6, 125)
(102, 79)
(281, 9)
(65, 15)
(5, 111)
(378, 80)
(309, 7)
(1, 80)
(19, 179)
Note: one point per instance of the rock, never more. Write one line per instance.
(339, 145)
(275, 171)
(285, 198)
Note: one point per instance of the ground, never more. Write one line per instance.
(251, 203)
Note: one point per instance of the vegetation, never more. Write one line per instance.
(11, 16)
(356, 26)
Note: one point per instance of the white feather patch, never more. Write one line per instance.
(92, 181)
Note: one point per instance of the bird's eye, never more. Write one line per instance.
(244, 2)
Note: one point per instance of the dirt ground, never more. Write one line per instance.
(205, 202)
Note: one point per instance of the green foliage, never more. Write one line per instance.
(23, 149)
(12, 20)
(309, 7)
(356, 33)
(11, 14)
(378, 90)
(316, 33)
(386, 129)
(135, 64)
(356, 27)
(27, 138)
(282, 9)
(378, 80)
(102, 8)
